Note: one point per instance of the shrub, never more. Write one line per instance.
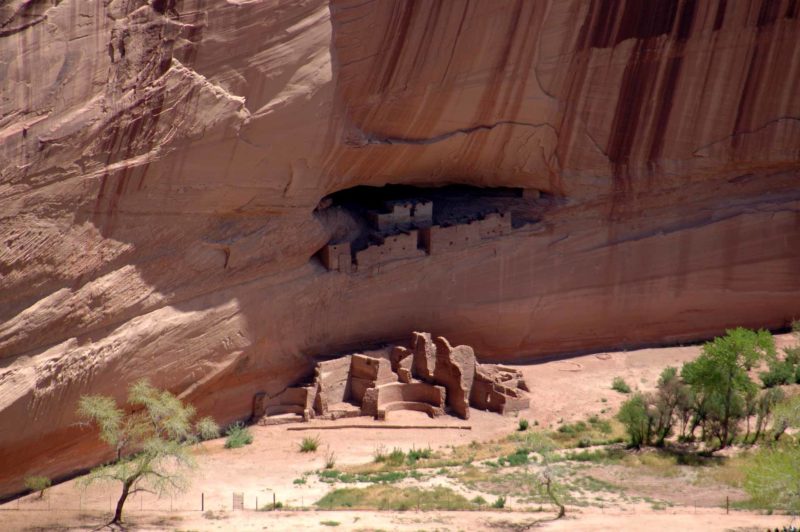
(479, 501)
(619, 385)
(638, 425)
(271, 507)
(574, 429)
(310, 444)
(416, 454)
(238, 435)
(780, 372)
(396, 457)
(517, 458)
(37, 483)
(207, 429)
(499, 503)
(792, 354)
(522, 425)
(330, 523)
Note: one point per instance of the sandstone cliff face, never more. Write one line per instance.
(160, 163)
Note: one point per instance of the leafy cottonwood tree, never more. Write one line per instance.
(671, 396)
(720, 381)
(637, 420)
(151, 443)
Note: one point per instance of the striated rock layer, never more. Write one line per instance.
(161, 162)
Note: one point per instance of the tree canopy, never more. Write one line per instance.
(150, 442)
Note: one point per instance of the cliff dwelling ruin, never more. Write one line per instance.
(429, 376)
(374, 225)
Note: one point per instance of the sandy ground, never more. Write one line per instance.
(565, 390)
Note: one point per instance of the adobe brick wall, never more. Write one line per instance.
(394, 247)
(332, 382)
(376, 399)
(455, 370)
(368, 372)
(337, 257)
(494, 225)
(438, 239)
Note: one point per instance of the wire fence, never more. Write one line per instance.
(147, 502)
(248, 501)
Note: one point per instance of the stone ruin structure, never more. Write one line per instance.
(405, 229)
(429, 376)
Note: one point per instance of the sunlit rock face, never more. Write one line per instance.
(161, 165)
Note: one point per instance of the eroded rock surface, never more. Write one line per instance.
(161, 165)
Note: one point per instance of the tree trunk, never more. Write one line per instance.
(562, 511)
(747, 434)
(126, 487)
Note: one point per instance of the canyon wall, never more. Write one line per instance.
(161, 163)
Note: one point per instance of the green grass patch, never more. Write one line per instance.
(382, 497)
(378, 477)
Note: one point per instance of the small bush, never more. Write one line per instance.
(574, 429)
(238, 436)
(207, 429)
(396, 457)
(517, 458)
(270, 507)
(479, 501)
(37, 483)
(638, 425)
(417, 454)
(792, 354)
(619, 385)
(522, 425)
(310, 444)
(299, 481)
(780, 372)
(330, 523)
(499, 503)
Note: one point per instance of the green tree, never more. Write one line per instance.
(773, 478)
(38, 483)
(671, 396)
(638, 423)
(719, 378)
(151, 442)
